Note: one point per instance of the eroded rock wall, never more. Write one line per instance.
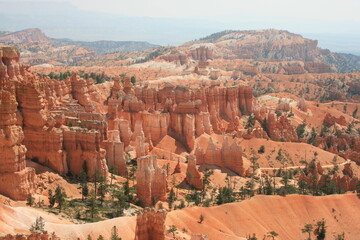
(150, 225)
(16, 181)
(151, 181)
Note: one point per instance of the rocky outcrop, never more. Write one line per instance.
(199, 237)
(330, 120)
(348, 170)
(115, 153)
(16, 181)
(178, 111)
(317, 67)
(176, 58)
(32, 236)
(302, 105)
(315, 176)
(280, 129)
(83, 145)
(201, 53)
(41, 107)
(177, 168)
(26, 36)
(150, 225)
(193, 175)
(151, 181)
(228, 155)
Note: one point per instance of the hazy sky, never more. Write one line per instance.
(173, 22)
(325, 10)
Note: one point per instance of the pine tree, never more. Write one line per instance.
(51, 198)
(60, 197)
(273, 234)
(307, 229)
(253, 159)
(171, 197)
(38, 226)
(30, 201)
(320, 230)
(114, 234)
(93, 208)
(103, 188)
(120, 204)
(83, 184)
(172, 230)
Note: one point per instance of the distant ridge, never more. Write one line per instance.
(105, 47)
(35, 35)
(277, 45)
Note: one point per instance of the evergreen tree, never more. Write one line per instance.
(114, 234)
(171, 198)
(261, 149)
(38, 226)
(60, 197)
(120, 204)
(307, 229)
(102, 189)
(83, 184)
(253, 159)
(30, 201)
(172, 229)
(250, 122)
(51, 198)
(300, 130)
(133, 80)
(206, 181)
(92, 206)
(253, 237)
(226, 195)
(312, 139)
(201, 218)
(320, 230)
(273, 234)
(355, 112)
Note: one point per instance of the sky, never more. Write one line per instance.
(335, 23)
(344, 10)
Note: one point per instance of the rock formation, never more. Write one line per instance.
(150, 225)
(50, 123)
(201, 53)
(177, 168)
(302, 105)
(180, 112)
(315, 176)
(151, 181)
(228, 155)
(16, 180)
(280, 129)
(330, 120)
(32, 236)
(193, 175)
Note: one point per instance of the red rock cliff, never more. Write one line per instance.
(16, 181)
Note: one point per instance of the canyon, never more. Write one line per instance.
(235, 134)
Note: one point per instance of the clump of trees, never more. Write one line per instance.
(97, 77)
(318, 229)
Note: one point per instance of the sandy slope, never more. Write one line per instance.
(285, 215)
(295, 152)
(261, 214)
